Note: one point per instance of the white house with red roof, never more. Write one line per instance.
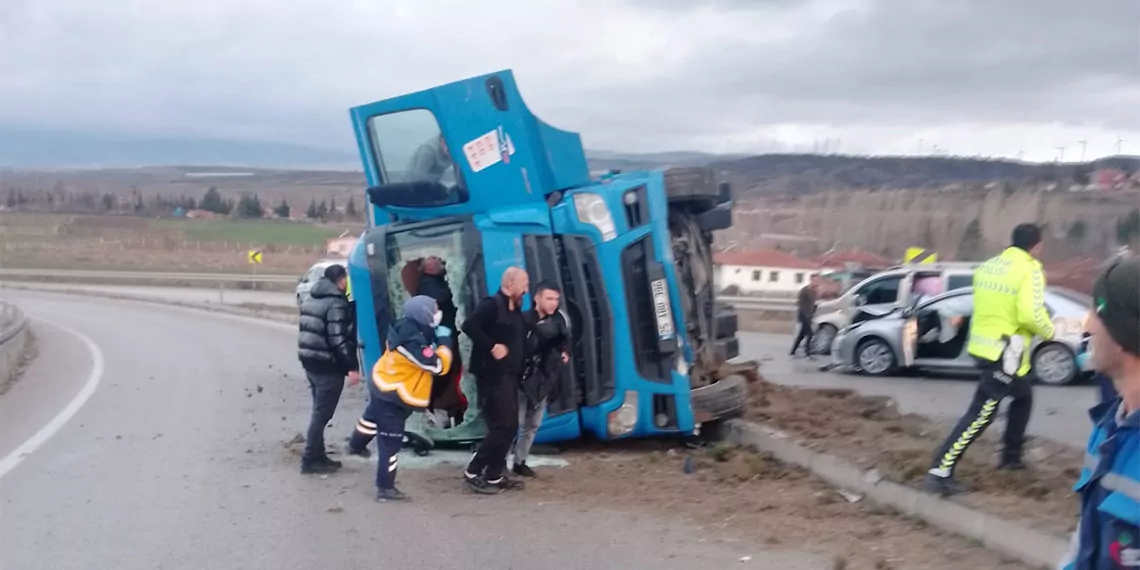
(762, 271)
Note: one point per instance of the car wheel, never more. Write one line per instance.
(822, 339)
(1055, 365)
(875, 357)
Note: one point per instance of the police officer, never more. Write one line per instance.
(1009, 310)
(1108, 535)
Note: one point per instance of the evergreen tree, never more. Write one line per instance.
(212, 202)
(12, 198)
(282, 210)
(1128, 228)
(108, 202)
(312, 212)
(350, 209)
(322, 210)
(249, 206)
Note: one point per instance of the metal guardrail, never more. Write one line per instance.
(12, 321)
(743, 303)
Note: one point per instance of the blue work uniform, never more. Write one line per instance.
(1108, 535)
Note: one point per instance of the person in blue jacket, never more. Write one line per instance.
(1108, 535)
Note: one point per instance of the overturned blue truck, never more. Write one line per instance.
(464, 182)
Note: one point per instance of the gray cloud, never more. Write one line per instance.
(981, 76)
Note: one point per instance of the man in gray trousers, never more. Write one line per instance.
(547, 342)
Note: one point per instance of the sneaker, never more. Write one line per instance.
(393, 494)
(318, 467)
(327, 461)
(480, 485)
(522, 470)
(942, 486)
(365, 453)
(507, 484)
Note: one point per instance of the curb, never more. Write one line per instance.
(226, 309)
(1031, 546)
(13, 343)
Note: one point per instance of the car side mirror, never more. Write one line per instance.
(860, 300)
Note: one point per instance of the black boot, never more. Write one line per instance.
(320, 466)
(522, 470)
(391, 495)
(942, 486)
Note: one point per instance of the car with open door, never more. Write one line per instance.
(933, 335)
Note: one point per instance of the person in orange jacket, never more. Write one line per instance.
(401, 383)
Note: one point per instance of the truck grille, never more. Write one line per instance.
(584, 291)
(652, 362)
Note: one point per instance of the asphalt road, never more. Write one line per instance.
(1059, 414)
(154, 437)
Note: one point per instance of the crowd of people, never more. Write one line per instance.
(516, 357)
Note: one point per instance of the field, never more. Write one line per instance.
(135, 243)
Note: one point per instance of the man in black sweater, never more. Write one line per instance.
(498, 334)
(326, 347)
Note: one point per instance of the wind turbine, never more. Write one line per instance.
(1119, 143)
(1084, 145)
(1060, 154)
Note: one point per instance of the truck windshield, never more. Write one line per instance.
(413, 159)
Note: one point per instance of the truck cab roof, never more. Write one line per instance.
(464, 147)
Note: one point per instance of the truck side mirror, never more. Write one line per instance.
(497, 93)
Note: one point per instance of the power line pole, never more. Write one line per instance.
(1060, 154)
(1084, 145)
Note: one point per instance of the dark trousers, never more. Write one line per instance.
(325, 389)
(804, 334)
(383, 421)
(981, 413)
(500, 409)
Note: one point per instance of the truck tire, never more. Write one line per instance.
(718, 218)
(728, 348)
(694, 186)
(725, 399)
(727, 322)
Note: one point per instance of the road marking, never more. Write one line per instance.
(41, 437)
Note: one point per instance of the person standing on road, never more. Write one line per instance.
(805, 312)
(415, 353)
(1108, 536)
(1009, 310)
(326, 346)
(547, 342)
(498, 333)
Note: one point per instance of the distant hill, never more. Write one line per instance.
(799, 174)
(55, 149)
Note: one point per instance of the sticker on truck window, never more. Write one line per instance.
(663, 310)
(489, 150)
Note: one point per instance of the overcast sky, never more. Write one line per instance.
(989, 77)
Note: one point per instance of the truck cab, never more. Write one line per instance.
(464, 182)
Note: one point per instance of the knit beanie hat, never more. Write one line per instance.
(1116, 294)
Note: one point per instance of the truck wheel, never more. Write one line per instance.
(694, 186)
(728, 348)
(727, 322)
(725, 399)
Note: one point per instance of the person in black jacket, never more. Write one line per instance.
(547, 340)
(326, 347)
(498, 333)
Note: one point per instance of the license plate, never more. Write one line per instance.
(663, 310)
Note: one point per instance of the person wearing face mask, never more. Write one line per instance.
(401, 383)
(1108, 535)
(497, 331)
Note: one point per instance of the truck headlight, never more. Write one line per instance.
(622, 420)
(592, 209)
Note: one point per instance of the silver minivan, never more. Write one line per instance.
(881, 293)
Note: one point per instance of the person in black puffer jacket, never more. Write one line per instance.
(326, 347)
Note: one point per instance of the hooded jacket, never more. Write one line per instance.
(413, 357)
(326, 342)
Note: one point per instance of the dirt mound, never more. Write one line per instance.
(872, 433)
(735, 495)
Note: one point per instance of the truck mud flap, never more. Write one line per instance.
(728, 348)
(727, 322)
(718, 218)
(725, 399)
